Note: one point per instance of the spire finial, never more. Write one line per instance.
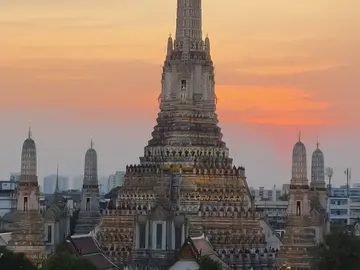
(29, 129)
(91, 142)
(317, 142)
(299, 135)
(57, 179)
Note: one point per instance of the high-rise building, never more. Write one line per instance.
(116, 180)
(50, 183)
(186, 184)
(103, 184)
(77, 182)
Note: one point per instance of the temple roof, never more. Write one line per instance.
(5, 238)
(85, 245)
(195, 247)
(9, 216)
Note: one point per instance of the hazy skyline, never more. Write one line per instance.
(77, 69)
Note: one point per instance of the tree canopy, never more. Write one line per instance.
(340, 250)
(15, 261)
(112, 193)
(206, 263)
(69, 262)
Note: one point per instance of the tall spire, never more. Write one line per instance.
(188, 100)
(188, 21)
(57, 179)
(317, 142)
(29, 135)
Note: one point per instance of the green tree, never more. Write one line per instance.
(64, 261)
(14, 261)
(112, 193)
(340, 251)
(206, 263)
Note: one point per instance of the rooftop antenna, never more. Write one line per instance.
(348, 177)
(329, 172)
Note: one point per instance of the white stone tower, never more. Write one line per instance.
(28, 234)
(300, 235)
(317, 168)
(89, 210)
(317, 184)
(299, 185)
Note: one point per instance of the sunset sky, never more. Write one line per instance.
(84, 68)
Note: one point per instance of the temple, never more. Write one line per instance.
(186, 184)
(306, 222)
(28, 234)
(89, 215)
(56, 219)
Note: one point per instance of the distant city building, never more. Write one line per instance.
(76, 182)
(103, 184)
(344, 205)
(111, 182)
(275, 212)
(7, 197)
(262, 194)
(50, 183)
(15, 177)
(116, 180)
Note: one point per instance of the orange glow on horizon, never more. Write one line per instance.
(85, 55)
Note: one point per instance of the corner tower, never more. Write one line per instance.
(89, 208)
(299, 236)
(317, 168)
(299, 164)
(28, 234)
(299, 184)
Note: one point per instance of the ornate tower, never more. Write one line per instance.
(317, 184)
(89, 209)
(299, 236)
(187, 125)
(299, 164)
(185, 184)
(317, 168)
(299, 184)
(28, 234)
